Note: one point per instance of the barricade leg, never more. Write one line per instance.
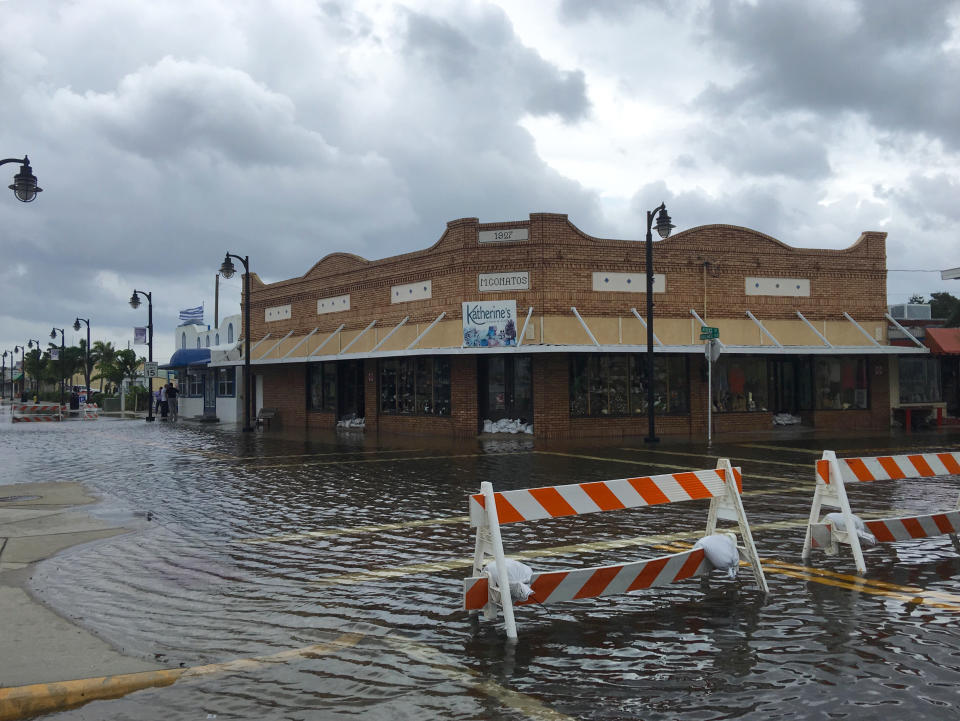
(731, 508)
(486, 488)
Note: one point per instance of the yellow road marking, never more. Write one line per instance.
(527, 705)
(357, 530)
(783, 448)
(714, 458)
(388, 460)
(320, 455)
(655, 465)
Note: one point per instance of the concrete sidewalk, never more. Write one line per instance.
(36, 645)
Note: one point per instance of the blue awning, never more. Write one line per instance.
(186, 357)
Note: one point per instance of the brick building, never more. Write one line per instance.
(539, 322)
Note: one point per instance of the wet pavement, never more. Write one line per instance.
(337, 561)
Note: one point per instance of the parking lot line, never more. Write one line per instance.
(713, 458)
(388, 460)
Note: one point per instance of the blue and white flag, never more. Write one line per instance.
(192, 315)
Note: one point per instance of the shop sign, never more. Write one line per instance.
(493, 282)
(507, 235)
(490, 323)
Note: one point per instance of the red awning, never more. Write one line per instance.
(943, 341)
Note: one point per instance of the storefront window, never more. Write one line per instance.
(415, 386)
(604, 384)
(740, 385)
(841, 383)
(920, 380)
(195, 385)
(225, 381)
(322, 387)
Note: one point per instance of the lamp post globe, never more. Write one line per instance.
(24, 184)
(227, 269)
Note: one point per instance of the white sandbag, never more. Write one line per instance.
(518, 576)
(836, 520)
(721, 551)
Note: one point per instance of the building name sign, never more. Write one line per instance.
(490, 323)
(507, 235)
(491, 282)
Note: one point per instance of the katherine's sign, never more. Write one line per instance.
(490, 323)
(490, 282)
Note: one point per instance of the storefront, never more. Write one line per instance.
(536, 322)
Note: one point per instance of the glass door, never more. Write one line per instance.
(505, 388)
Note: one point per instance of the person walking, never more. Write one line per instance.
(172, 394)
(163, 403)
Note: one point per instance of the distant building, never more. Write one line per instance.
(535, 322)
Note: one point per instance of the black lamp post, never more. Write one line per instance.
(23, 370)
(664, 226)
(30, 344)
(135, 303)
(86, 352)
(227, 270)
(53, 334)
(3, 371)
(24, 185)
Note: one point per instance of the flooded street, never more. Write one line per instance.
(322, 579)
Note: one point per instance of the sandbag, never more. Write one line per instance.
(836, 520)
(721, 550)
(518, 576)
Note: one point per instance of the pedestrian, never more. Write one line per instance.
(163, 403)
(156, 402)
(172, 394)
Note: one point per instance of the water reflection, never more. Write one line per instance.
(254, 545)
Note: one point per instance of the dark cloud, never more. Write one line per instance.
(885, 60)
(929, 200)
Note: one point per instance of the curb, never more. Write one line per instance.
(21, 702)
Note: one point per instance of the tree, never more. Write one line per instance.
(102, 356)
(944, 305)
(127, 365)
(35, 366)
(916, 298)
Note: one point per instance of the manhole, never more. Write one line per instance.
(14, 499)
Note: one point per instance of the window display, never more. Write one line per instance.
(740, 385)
(614, 384)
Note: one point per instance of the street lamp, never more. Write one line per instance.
(86, 352)
(664, 226)
(135, 303)
(53, 334)
(23, 371)
(3, 371)
(227, 270)
(30, 344)
(25, 182)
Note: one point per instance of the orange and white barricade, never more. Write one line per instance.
(833, 473)
(490, 510)
(32, 412)
(90, 411)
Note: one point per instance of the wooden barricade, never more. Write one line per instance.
(489, 510)
(833, 473)
(33, 412)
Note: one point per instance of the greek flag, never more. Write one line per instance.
(192, 315)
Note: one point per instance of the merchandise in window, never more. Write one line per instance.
(740, 385)
(322, 386)
(614, 384)
(415, 386)
(920, 380)
(225, 381)
(841, 383)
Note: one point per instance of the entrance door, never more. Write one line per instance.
(791, 389)
(209, 394)
(350, 390)
(505, 388)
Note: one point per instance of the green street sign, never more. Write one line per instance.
(708, 333)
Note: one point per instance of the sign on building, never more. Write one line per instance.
(491, 282)
(507, 235)
(490, 323)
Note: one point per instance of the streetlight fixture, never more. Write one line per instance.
(135, 303)
(30, 344)
(24, 185)
(664, 226)
(23, 371)
(86, 352)
(53, 334)
(227, 270)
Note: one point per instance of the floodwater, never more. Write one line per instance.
(258, 546)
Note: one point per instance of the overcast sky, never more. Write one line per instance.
(166, 133)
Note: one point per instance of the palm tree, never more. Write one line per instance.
(103, 356)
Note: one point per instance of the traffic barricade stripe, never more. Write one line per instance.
(490, 510)
(827, 536)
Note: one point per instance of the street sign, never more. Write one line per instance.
(708, 333)
(150, 370)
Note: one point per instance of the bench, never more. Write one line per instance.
(265, 416)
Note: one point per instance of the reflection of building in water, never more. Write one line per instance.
(537, 322)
